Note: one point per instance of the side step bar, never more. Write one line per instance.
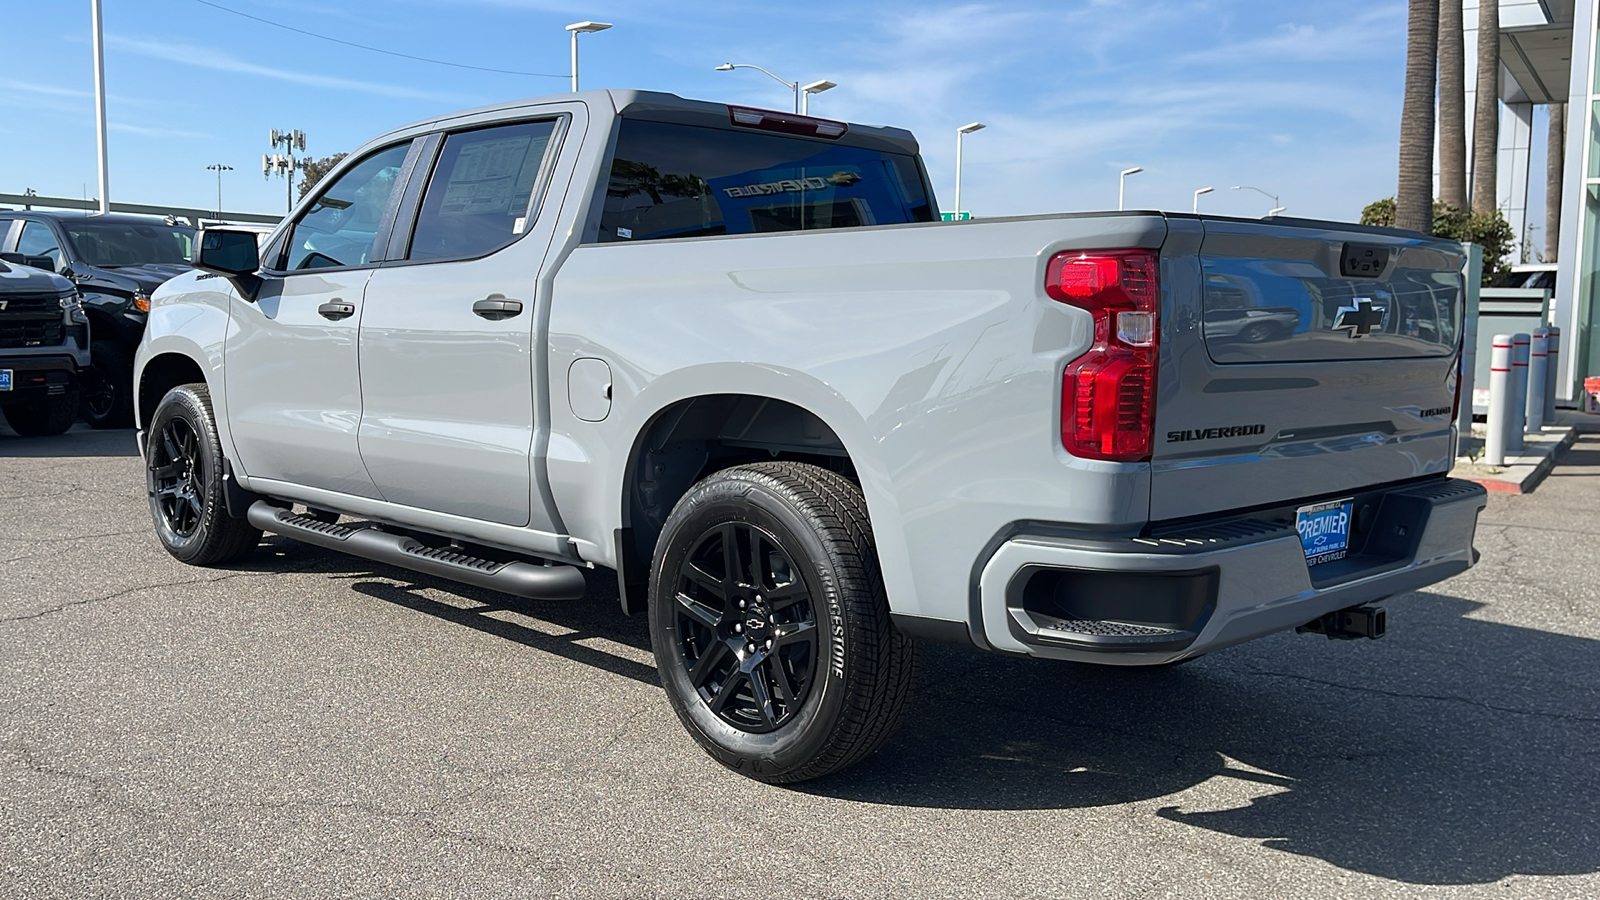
(521, 579)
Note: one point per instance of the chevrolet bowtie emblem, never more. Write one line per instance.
(1358, 320)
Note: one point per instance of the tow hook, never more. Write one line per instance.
(1365, 621)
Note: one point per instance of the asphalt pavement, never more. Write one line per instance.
(311, 725)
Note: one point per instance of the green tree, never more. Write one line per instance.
(312, 170)
(1490, 231)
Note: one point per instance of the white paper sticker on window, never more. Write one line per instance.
(624, 232)
(519, 225)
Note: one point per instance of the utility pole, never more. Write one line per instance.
(219, 168)
(283, 163)
(100, 104)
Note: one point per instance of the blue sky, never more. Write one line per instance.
(1301, 99)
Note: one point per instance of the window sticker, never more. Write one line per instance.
(489, 176)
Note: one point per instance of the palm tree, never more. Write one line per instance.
(1452, 106)
(1414, 199)
(1486, 113)
(1555, 150)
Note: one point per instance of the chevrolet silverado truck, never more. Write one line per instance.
(730, 354)
(44, 346)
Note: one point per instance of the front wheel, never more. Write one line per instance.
(770, 623)
(42, 418)
(183, 458)
(108, 386)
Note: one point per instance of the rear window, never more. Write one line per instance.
(670, 180)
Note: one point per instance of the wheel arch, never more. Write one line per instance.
(160, 374)
(692, 435)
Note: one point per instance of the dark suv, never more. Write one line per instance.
(44, 345)
(115, 261)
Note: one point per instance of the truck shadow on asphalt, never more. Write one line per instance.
(79, 442)
(566, 629)
(1455, 751)
(1461, 752)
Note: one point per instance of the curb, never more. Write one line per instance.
(1521, 473)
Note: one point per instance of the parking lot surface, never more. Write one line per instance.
(313, 725)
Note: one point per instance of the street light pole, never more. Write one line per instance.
(1204, 190)
(961, 133)
(219, 168)
(1122, 183)
(100, 104)
(582, 28)
(1273, 197)
(793, 86)
(815, 87)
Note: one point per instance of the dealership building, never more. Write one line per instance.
(1548, 55)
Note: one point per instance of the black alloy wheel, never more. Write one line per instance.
(770, 623)
(185, 480)
(179, 482)
(99, 397)
(746, 626)
(107, 386)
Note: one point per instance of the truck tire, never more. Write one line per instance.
(108, 386)
(41, 418)
(779, 656)
(183, 458)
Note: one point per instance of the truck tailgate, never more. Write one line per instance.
(1302, 361)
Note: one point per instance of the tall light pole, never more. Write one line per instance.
(961, 133)
(1204, 190)
(1273, 197)
(815, 87)
(578, 28)
(100, 104)
(1122, 183)
(219, 168)
(793, 86)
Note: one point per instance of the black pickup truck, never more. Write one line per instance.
(116, 262)
(44, 346)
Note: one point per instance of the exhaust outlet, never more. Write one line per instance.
(1365, 621)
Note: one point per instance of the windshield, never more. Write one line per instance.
(112, 244)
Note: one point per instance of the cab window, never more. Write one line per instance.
(673, 180)
(341, 227)
(479, 195)
(38, 240)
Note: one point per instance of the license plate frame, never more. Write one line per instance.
(1324, 530)
(5, 379)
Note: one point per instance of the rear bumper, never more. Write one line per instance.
(1191, 590)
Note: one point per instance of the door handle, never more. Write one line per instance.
(336, 310)
(495, 307)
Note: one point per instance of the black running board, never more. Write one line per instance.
(521, 579)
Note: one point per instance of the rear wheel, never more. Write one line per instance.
(183, 457)
(770, 623)
(108, 386)
(41, 418)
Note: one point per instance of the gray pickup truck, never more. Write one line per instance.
(732, 355)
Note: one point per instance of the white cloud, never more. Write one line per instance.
(215, 60)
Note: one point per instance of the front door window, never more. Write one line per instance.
(341, 227)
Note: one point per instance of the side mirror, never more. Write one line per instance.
(37, 262)
(233, 255)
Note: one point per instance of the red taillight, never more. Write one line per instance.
(1108, 394)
